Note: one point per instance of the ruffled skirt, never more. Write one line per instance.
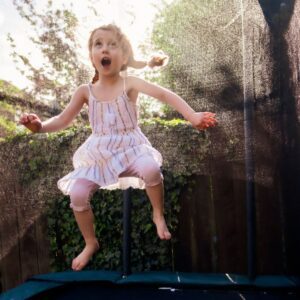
(102, 158)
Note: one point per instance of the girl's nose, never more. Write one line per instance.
(104, 48)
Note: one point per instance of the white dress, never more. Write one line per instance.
(115, 143)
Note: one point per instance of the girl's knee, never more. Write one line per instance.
(80, 194)
(152, 174)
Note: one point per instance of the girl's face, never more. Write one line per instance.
(106, 53)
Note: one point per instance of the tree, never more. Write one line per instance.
(203, 40)
(54, 34)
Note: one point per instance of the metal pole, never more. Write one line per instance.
(126, 232)
(250, 197)
(249, 161)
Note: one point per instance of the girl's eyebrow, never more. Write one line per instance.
(98, 40)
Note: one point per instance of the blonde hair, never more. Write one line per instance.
(157, 60)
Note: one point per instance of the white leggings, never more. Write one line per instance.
(145, 167)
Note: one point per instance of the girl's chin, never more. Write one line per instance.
(109, 72)
(106, 68)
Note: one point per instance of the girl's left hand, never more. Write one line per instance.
(203, 120)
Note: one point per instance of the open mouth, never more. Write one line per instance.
(105, 61)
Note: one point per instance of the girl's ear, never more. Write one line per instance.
(124, 63)
(125, 59)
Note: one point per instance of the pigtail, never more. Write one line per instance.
(96, 77)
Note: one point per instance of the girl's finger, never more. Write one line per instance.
(23, 117)
(23, 120)
(32, 117)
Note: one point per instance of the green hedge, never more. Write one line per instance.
(148, 252)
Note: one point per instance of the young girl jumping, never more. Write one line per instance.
(116, 154)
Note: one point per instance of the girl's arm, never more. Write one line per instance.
(61, 121)
(200, 120)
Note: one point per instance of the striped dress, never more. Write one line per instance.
(115, 143)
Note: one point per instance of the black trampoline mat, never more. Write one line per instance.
(100, 284)
(84, 291)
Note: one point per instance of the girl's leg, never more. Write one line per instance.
(156, 196)
(80, 196)
(146, 168)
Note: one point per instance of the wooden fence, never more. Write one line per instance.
(28, 251)
(211, 234)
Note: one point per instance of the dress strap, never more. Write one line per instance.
(91, 95)
(90, 89)
(124, 85)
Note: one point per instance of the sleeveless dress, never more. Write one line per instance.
(115, 143)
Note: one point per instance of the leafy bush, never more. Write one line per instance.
(147, 251)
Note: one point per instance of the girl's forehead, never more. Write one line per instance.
(104, 34)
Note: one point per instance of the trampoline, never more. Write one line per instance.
(151, 285)
(154, 285)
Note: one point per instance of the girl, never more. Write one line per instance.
(117, 154)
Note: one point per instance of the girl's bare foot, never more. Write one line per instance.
(83, 258)
(162, 228)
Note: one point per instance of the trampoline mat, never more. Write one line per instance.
(86, 291)
(112, 285)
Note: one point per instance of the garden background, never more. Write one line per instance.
(229, 57)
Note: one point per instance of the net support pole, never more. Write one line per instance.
(248, 94)
(126, 232)
(250, 196)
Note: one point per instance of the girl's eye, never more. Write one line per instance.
(113, 45)
(98, 44)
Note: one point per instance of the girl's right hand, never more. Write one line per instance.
(32, 122)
